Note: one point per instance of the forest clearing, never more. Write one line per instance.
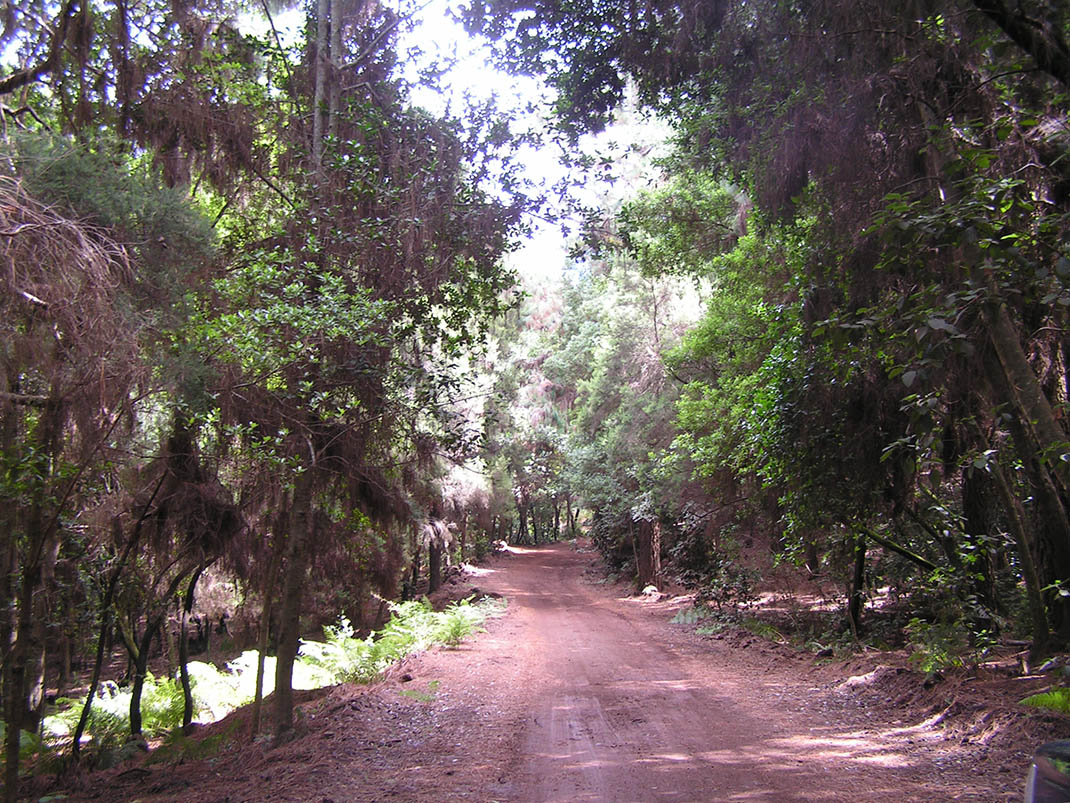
(305, 305)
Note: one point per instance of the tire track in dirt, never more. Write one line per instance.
(619, 716)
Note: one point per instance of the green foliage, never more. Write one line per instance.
(177, 747)
(728, 585)
(414, 626)
(937, 646)
(340, 658)
(460, 620)
(693, 615)
(1057, 700)
(160, 226)
(33, 750)
(683, 227)
(109, 717)
(419, 696)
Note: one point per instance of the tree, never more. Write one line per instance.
(917, 148)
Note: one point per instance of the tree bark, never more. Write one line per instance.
(141, 668)
(290, 610)
(1016, 522)
(265, 628)
(858, 577)
(183, 653)
(1039, 38)
(334, 91)
(434, 564)
(646, 564)
(1040, 441)
(522, 529)
(1026, 395)
(320, 89)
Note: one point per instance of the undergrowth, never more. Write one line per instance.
(1055, 700)
(339, 658)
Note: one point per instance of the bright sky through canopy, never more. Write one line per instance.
(440, 37)
(436, 37)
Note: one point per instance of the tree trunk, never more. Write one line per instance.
(183, 653)
(646, 566)
(1016, 522)
(334, 92)
(858, 579)
(319, 95)
(290, 611)
(141, 668)
(1052, 530)
(265, 628)
(522, 530)
(813, 557)
(414, 571)
(1026, 395)
(655, 553)
(434, 565)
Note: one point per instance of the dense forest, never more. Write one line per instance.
(263, 329)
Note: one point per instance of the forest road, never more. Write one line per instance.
(614, 704)
(617, 712)
(581, 692)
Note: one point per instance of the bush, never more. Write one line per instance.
(459, 621)
(414, 626)
(728, 585)
(109, 719)
(936, 646)
(1054, 700)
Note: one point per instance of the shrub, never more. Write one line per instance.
(1054, 700)
(936, 646)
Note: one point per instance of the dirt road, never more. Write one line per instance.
(582, 694)
(622, 708)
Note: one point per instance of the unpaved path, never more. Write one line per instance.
(580, 694)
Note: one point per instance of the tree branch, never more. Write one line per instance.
(19, 79)
(24, 398)
(913, 557)
(1040, 39)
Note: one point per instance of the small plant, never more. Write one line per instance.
(761, 629)
(936, 646)
(710, 629)
(692, 615)
(459, 621)
(730, 586)
(109, 718)
(1055, 700)
(423, 697)
(32, 748)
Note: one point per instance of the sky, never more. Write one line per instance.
(543, 255)
(473, 77)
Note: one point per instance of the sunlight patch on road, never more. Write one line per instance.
(857, 746)
(477, 571)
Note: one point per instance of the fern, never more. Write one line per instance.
(1054, 700)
